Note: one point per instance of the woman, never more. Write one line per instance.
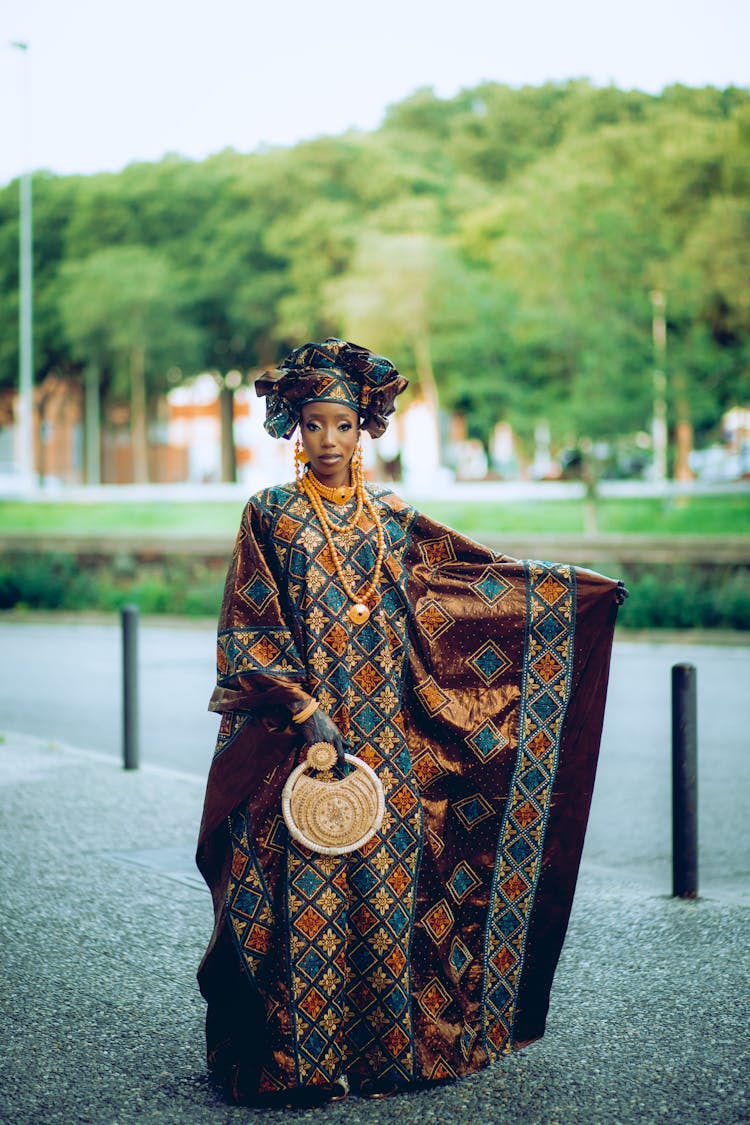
(473, 685)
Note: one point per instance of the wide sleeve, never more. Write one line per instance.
(261, 678)
(509, 663)
(258, 661)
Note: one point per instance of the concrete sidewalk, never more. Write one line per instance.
(104, 920)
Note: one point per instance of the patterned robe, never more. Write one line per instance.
(476, 691)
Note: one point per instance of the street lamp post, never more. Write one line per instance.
(25, 414)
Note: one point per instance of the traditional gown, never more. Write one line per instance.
(476, 691)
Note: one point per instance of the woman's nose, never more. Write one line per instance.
(329, 437)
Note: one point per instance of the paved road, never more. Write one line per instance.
(104, 1024)
(61, 680)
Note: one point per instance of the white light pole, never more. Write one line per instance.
(25, 413)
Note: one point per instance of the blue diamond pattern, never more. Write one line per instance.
(246, 902)
(309, 882)
(508, 923)
(487, 740)
(315, 1042)
(257, 591)
(550, 627)
(473, 810)
(546, 706)
(461, 881)
(312, 963)
(520, 850)
(532, 779)
(458, 957)
(488, 662)
(368, 719)
(399, 919)
(490, 588)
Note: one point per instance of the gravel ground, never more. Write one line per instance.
(103, 923)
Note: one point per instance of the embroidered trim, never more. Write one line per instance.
(545, 693)
(248, 901)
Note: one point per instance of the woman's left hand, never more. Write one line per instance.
(320, 727)
(621, 592)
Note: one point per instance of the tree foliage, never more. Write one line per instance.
(502, 245)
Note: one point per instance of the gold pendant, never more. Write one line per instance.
(358, 613)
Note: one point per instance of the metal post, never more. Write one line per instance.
(684, 782)
(129, 617)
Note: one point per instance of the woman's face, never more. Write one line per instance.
(329, 435)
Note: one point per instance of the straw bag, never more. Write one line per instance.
(332, 817)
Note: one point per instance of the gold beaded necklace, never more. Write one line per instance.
(360, 610)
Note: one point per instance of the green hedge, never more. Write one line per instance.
(58, 581)
(686, 597)
(661, 596)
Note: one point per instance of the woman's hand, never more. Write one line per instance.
(320, 727)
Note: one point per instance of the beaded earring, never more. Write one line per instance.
(356, 465)
(300, 459)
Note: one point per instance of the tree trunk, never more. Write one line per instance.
(138, 424)
(590, 478)
(228, 453)
(683, 431)
(426, 378)
(92, 424)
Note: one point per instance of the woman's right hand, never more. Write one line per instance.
(320, 727)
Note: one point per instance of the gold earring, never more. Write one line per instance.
(300, 459)
(357, 463)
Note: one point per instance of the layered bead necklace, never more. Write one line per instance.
(367, 598)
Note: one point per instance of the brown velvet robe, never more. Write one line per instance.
(476, 691)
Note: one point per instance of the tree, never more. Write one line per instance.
(123, 311)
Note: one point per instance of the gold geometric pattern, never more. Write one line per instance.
(249, 904)
(439, 920)
(442, 1070)
(433, 999)
(437, 551)
(264, 651)
(433, 619)
(547, 667)
(427, 769)
(431, 696)
(551, 590)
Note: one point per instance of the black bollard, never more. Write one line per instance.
(684, 782)
(129, 617)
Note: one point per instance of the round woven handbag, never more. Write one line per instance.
(332, 817)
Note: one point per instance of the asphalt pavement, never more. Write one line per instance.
(103, 924)
(103, 920)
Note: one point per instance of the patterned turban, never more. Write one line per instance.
(334, 371)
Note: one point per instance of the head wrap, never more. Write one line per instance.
(334, 371)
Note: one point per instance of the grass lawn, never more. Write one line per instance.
(698, 515)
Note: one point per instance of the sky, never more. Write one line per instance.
(105, 83)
